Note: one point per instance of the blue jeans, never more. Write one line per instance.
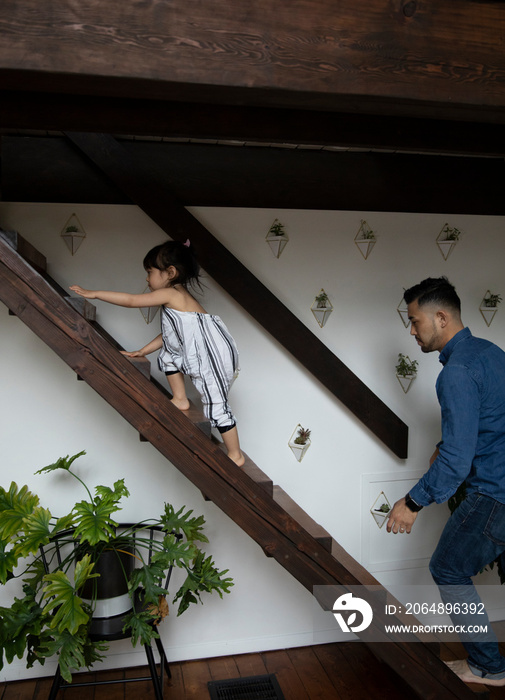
(473, 537)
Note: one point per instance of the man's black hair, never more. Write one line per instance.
(434, 290)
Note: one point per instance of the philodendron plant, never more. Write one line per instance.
(51, 617)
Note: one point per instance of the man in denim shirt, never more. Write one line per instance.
(471, 393)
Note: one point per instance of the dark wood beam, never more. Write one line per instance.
(49, 170)
(142, 186)
(424, 59)
(23, 110)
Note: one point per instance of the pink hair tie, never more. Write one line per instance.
(187, 243)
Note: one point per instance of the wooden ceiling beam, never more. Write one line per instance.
(158, 118)
(49, 170)
(394, 57)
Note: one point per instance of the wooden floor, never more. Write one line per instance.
(343, 671)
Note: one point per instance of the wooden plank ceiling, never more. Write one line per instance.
(400, 79)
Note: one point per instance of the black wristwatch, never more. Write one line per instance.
(412, 505)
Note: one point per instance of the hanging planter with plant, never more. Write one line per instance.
(406, 370)
(489, 306)
(447, 239)
(321, 308)
(365, 239)
(73, 234)
(277, 238)
(380, 509)
(300, 442)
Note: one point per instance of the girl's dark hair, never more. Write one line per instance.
(434, 290)
(180, 256)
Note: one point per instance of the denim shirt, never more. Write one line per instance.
(471, 393)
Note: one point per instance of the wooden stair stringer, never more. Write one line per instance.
(139, 401)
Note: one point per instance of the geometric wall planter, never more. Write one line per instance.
(321, 308)
(73, 234)
(405, 381)
(406, 370)
(277, 238)
(403, 312)
(489, 306)
(365, 239)
(447, 239)
(299, 448)
(380, 509)
(148, 312)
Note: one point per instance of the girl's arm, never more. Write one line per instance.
(154, 345)
(135, 301)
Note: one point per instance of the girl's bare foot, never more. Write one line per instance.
(182, 404)
(239, 459)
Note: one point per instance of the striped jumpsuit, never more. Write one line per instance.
(201, 346)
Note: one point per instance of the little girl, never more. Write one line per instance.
(191, 341)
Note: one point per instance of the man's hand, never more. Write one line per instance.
(401, 518)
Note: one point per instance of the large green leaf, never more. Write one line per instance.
(68, 608)
(62, 463)
(140, 624)
(183, 522)
(8, 562)
(203, 577)
(15, 505)
(93, 523)
(37, 530)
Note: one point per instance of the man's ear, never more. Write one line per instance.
(442, 317)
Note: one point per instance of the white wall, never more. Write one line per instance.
(46, 413)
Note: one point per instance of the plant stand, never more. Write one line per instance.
(298, 450)
(380, 516)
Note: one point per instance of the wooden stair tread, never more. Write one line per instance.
(25, 249)
(304, 519)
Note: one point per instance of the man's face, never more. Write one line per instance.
(425, 327)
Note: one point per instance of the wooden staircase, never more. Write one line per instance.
(264, 511)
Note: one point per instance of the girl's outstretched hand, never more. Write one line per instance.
(86, 293)
(134, 353)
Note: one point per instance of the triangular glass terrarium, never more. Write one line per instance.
(277, 238)
(403, 312)
(489, 306)
(447, 239)
(380, 509)
(73, 234)
(299, 449)
(365, 239)
(148, 312)
(321, 308)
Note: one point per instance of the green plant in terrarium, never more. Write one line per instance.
(276, 229)
(384, 508)
(72, 229)
(322, 300)
(450, 234)
(302, 436)
(492, 300)
(366, 233)
(405, 366)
